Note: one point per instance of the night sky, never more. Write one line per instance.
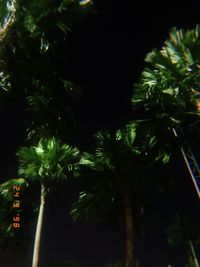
(106, 56)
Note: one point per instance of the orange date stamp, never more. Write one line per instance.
(16, 206)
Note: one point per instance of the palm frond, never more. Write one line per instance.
(47, 161)
(168, 84)
(6, 188)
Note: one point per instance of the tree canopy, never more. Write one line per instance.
(33, 65)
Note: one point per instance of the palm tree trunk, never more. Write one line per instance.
(128, 209)
(38, 233)
(194, 254)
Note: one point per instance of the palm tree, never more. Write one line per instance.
(49, 163)
(169, 88)
(115, 182)
(169, 91)
(34, 63)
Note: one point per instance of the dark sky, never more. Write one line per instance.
(106, 57)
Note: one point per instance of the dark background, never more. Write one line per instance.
(107, 53)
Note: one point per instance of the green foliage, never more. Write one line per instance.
(118, 160)
(152, 141)
(168, 90)
(33, 67)
(170, 86)
(6, 188)
(118, 149)
(49, 161)
(171, 83)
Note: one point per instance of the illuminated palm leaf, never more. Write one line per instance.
(48, 161)
(170, 86)
(6, 188)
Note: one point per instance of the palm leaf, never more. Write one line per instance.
(49, 160)
(6, 188)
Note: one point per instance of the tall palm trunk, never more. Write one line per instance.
(193, 254)
(38, 233)
(128, 210)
